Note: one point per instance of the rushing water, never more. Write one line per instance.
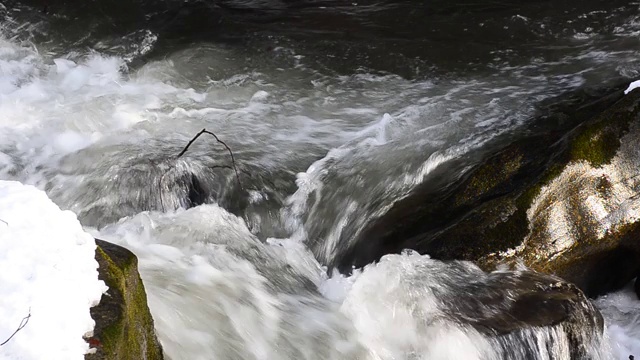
(333, 112)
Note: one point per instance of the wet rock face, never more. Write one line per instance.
(485, 211)
(518, 301)
(521, 314)
(565, 204)
(124, 327)
(584, 222)
(535, 300)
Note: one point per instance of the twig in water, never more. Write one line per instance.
(23, 323)
(205, 131)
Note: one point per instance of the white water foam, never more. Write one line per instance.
(227, 295)
(217, 292)
(621, 311)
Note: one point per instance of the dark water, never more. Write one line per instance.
(414, 39)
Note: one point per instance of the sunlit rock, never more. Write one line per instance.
(561, 203)
(583, 223)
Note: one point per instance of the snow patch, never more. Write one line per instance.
(48, 271)
(633, 85)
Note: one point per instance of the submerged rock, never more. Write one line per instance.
(523, 299)
(144, 180)
(124, 326)
(561, 203)
(502, 314)
(522, 305)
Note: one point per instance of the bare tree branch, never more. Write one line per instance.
(160, 191)
(23, 323)
(184, 150)
(205, 131)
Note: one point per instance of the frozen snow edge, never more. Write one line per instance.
(633, 85)
(47, 270)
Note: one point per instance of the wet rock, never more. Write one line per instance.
(560, 202)
(124, 326)
(521, 314)
(583, 223)
(636, 287)
(534, 301)
(518, 300)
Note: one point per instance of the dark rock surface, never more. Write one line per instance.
(562, 203)
(534, 301)
(124, 327)
(514, 310)
(582, 222)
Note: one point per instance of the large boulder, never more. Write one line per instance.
(561, 202)
(124, 327)
(583, 217)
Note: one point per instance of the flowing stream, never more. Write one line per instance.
(333, 111)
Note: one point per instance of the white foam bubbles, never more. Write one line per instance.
(216, 291)
(621, 311)
(399, 317)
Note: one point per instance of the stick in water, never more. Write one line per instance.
(205, 131)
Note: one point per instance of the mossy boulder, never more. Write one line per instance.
(124, 327)
(583, 221)
(485, 210)
(561, 202)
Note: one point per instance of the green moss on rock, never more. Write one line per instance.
(597, 265)
(595, 146)
(598, 143)
(484, 216)
(124, 327)
(490, 175)
(599, 140)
